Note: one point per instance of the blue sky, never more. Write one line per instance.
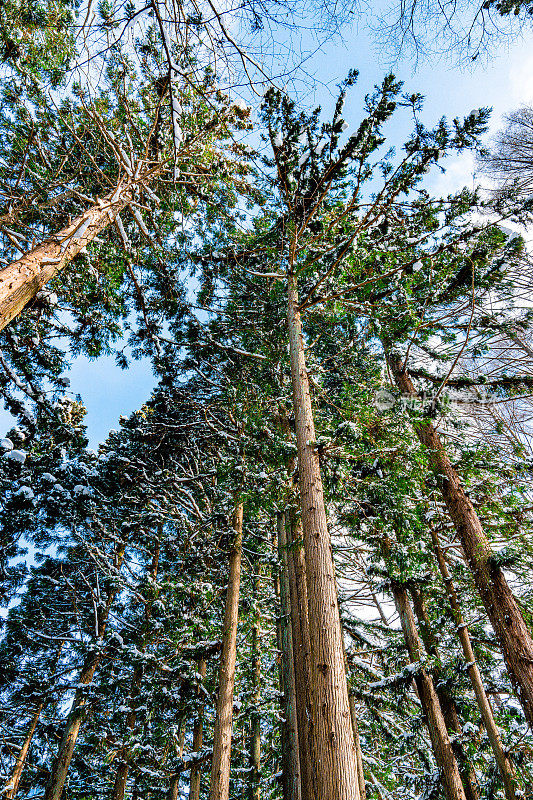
(503, 82)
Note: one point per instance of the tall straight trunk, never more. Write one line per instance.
(173, 789)
(78, 709)
(447, 703)
(500, 604)
(197, 741)
(289, 728)
(504, 764)
(440, 741)
(21, 280)
(254, 787)
(355, 728)
(302, 655)
(12, 786)
(119, 787)
(220, 769)
(336, 772)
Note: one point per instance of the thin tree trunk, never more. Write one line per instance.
(336, 771)
(21, 280)
(447, 703)
(78, 709)
(289, 728)
(254, 787)
(220, 770)
(121, 777)
(355, 728)
(504, 764)
(500, 604)
(12, 786)
(441, 745)
(173, 789)
(197, 741)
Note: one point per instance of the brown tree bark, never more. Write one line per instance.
(504, 764)
(173, 789)
(440, 741)
(289, 728)
(302, 655)
(78, 709)
(336, 772)
(447, 703)
(254, 787)
(500, 604)
(197, 742)
(220, 769)
(21, 280)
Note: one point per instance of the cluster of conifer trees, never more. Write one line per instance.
(302, 569)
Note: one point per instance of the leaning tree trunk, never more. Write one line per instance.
(220, 769)
(21, 280)
(447, 702)
(504, 764)
(197, 740)
(11, 789)
(289, 726)
(440, 741)
(336, 771)
(500, 604)
(78, 709)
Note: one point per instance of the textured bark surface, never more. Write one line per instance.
(504, 764)
(12, 786)
(289, 730)
(220, 769)
(440, 741)
(21, 280)
(500, 604)
(302, 655)
(197, 742)
(78, 709)
(336, 768)
(254, 787)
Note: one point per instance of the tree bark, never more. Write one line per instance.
(220, 770)
(504, 764)
(254, 787)
(197, 741)
(173, 789)
(336, 771)
(289, 728)
(440, 741)
(21, 280)
(78, 709)
(447, 702)
(302, 654)
(500, 604)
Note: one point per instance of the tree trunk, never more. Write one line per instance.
(505, 766)
(12, 786)
(21, 280)
(121, 777)
(197, 742)
(441, 745)
(289, 728)
(220, 770)
(336, 771)
(447, 703)
(173, 789)
(501, 607)
(254, 787)
(302, 654)
(11, 789)
(78, 709)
